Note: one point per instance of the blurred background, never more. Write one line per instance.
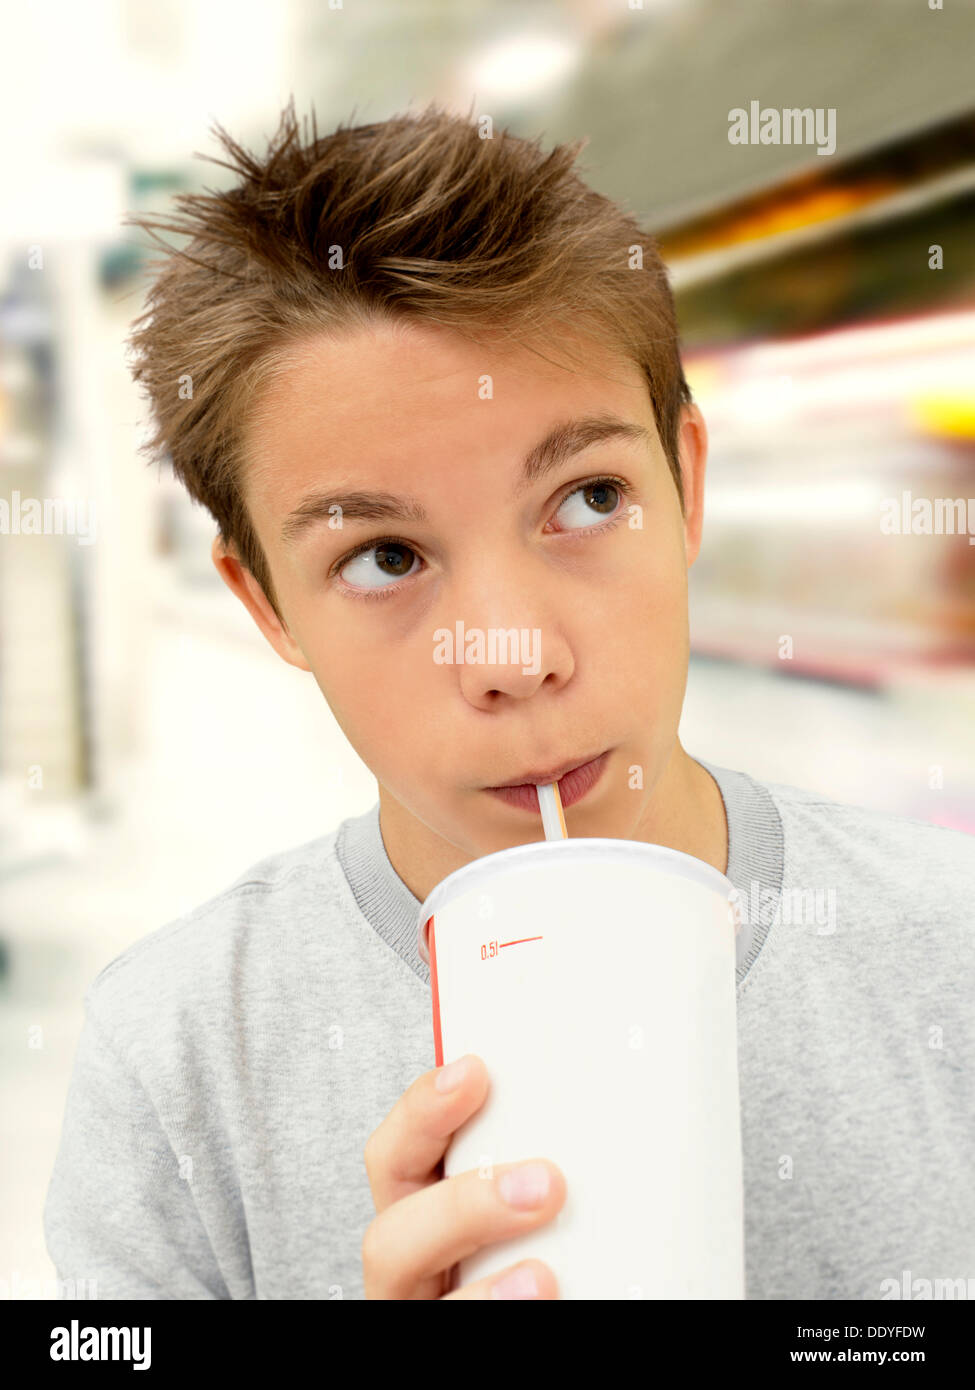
(152, 746)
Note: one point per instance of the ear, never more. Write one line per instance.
(241, 582)
(693, 445)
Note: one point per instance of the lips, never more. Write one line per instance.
(573, 786)
(532, 779)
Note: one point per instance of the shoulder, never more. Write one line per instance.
(191, 972)
(877, 851)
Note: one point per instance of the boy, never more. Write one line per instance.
(432, 376)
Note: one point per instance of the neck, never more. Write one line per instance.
(685, 812)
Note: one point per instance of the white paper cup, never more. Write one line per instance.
(596, 979)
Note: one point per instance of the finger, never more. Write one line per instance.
(402, 1154)
(423, 1235)
(530, 1279)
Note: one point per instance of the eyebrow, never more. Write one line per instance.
(567, 439)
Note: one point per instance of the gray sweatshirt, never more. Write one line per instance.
(233, 1063)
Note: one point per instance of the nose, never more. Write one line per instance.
(509, 639)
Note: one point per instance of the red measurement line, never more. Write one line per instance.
(518, 943)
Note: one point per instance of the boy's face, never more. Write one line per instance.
(601, 609)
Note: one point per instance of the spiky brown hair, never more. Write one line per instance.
(435, 223)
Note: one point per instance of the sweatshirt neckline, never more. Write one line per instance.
(755, 860)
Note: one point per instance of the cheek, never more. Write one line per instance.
(650, 646)
(653, 581)
(374, 691)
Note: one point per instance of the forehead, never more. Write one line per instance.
(383, 400)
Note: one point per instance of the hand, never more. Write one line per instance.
(426, 1223)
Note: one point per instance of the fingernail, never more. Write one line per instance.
(520, 1283)
(525, 1187)
(449, 1078)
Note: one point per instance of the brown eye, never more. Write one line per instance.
(392, 555)
(591, 501)
(391, 559)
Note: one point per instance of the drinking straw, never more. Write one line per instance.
(550, 805)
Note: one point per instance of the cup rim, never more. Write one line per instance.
(684, 865)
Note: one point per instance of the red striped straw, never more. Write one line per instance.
(550, 805)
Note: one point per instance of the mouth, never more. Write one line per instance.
(575, 781)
